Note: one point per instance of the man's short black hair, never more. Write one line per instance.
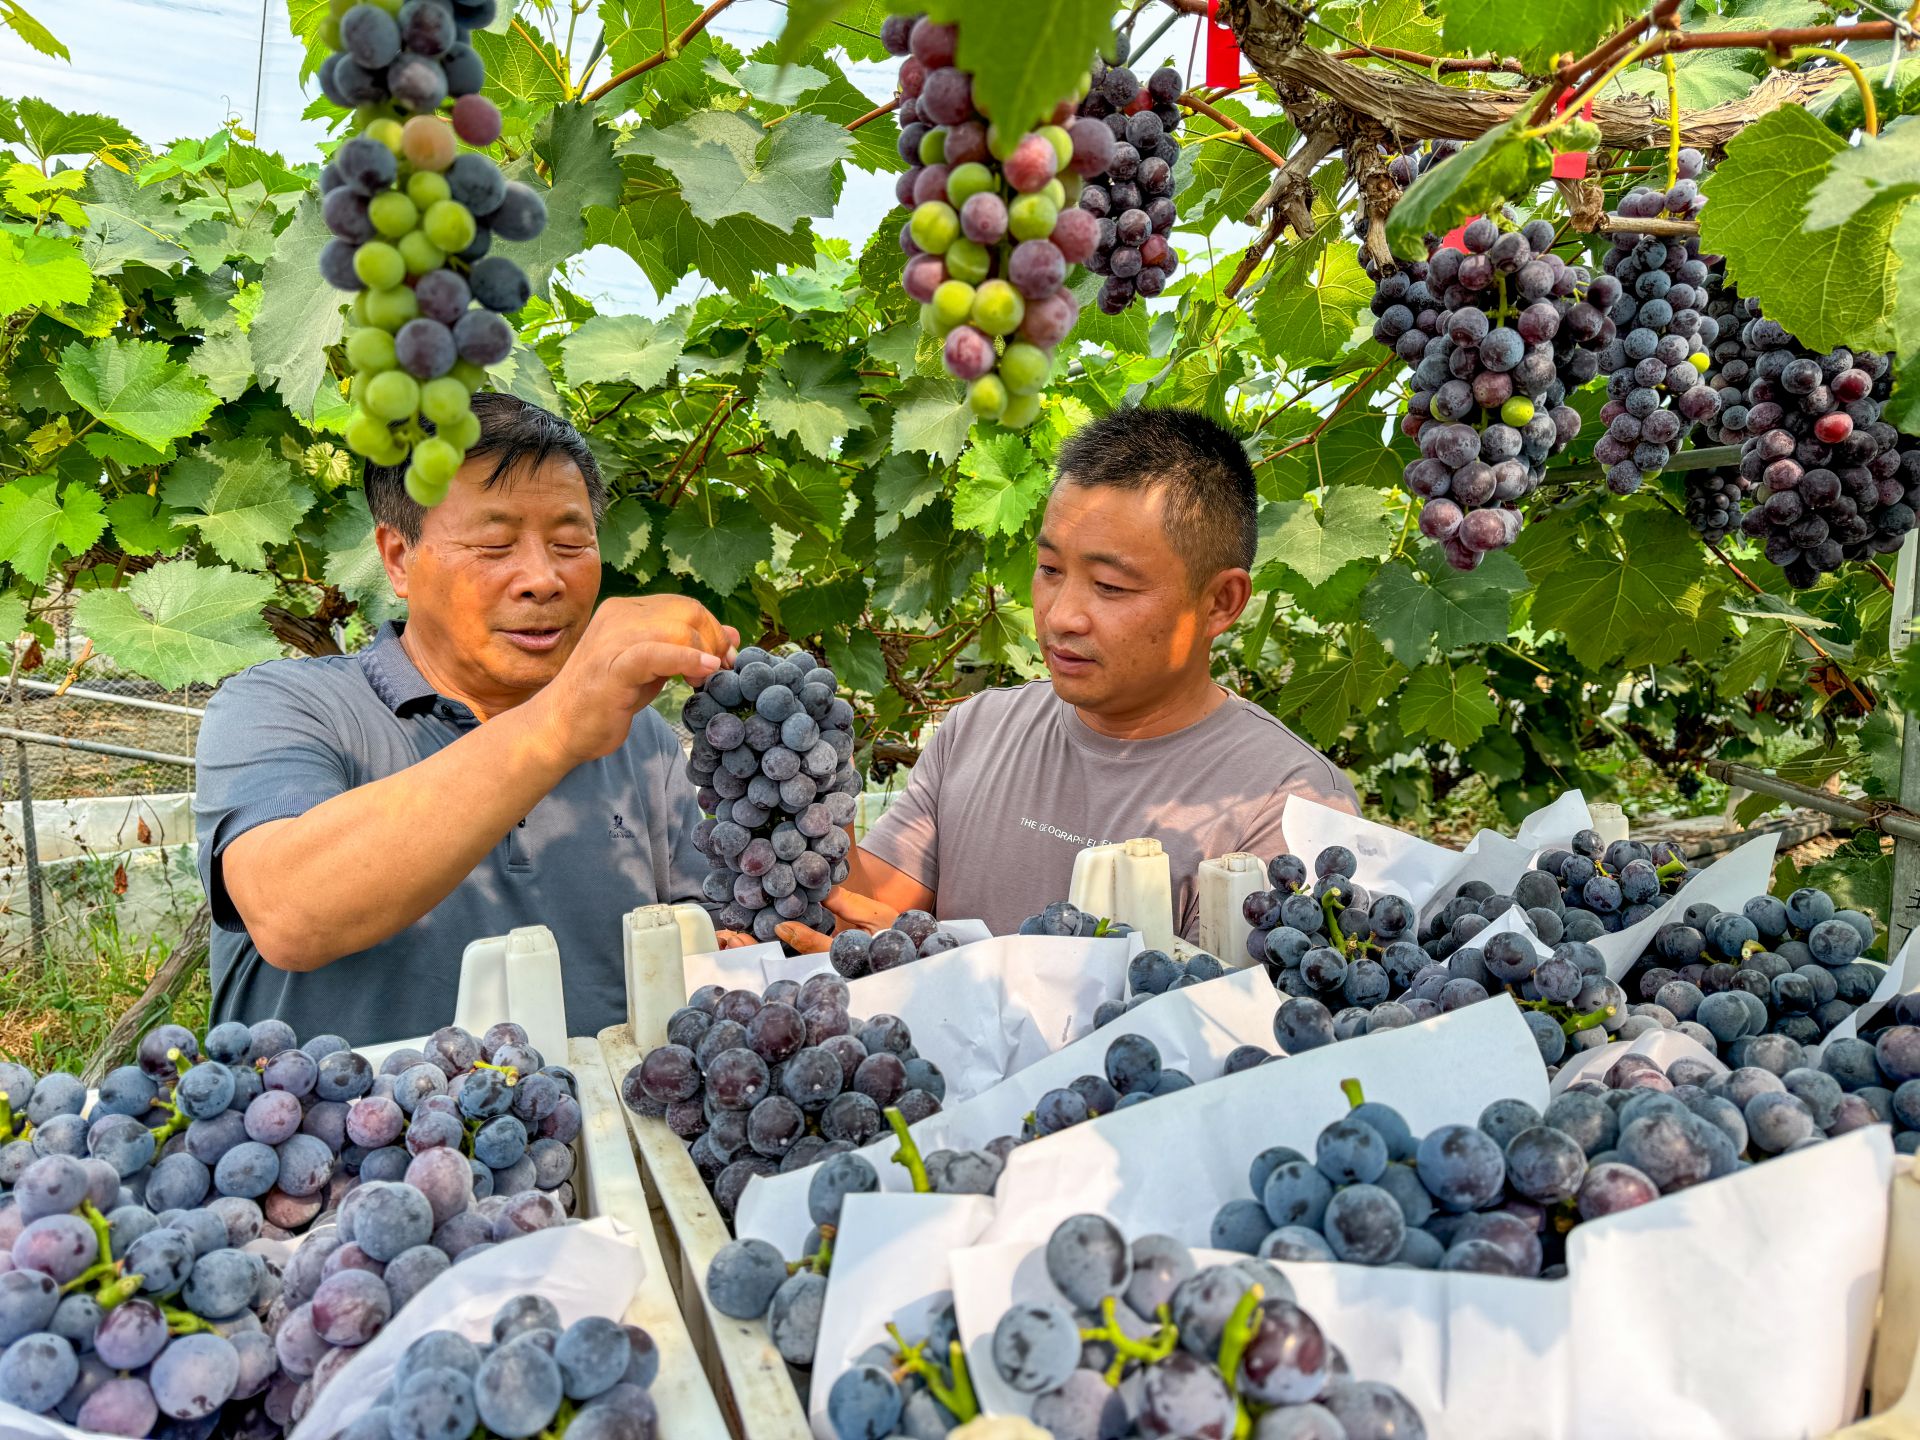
(1213, 502)
(514, 434)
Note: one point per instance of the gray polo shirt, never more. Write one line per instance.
(615, 833)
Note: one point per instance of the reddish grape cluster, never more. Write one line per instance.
(1129, 172)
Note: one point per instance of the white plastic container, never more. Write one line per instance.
(1130, 881)
(1609, 820)
(653, 940)
(514, 977)
(1224, 882)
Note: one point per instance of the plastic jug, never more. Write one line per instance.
(653, 939)
(1224, 882)
(515, 977)
(1130, 881)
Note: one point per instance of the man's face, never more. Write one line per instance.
(501, 583)
(1115, 611)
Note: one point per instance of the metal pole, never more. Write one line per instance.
(93, 747)
(1903, 911)
(36, 901)
(1902, 826)
(76, 692)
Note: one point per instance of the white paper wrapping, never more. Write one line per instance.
(1167, 1166)
(1196, 1028)
(1736, 1310)
(1663, 1047)
(754, 967)
(1892, 983)
(889, 1267)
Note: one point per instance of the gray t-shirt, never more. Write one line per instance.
(1015, 784)
(615, 833)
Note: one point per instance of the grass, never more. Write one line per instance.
(56, 1012)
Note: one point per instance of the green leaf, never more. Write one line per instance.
(876, 144)
(1000, 486)
(525, 374)
(1757, 661)
(298, 320)
(1338, 690)
(354, 566)
(1643, 597)
(1704, 78)
(143, 526)
(37, 518)
(858, 661)
(717, 542)
(13, 618)
(815, 608)
(1450, 703)
(579, 155)
(40, 272)
(727, 163)
(1352, 524)
(658, 230)
(1502, 164)
(128, 225)
(1827, 287)
(902, 488)
(133, 387)
(1903, 407)
(47, 131)
(932, 417)
(522, 66)
(1534, 33)
(98, 314)
(623, 349)
(1308, 312)
(1026, 58)
(812, 394)
(1880, 170)
(32, 31)
(819, 288)
(853, 25)
(181, 624)
(1456, 610)
(1348, 452)
(241, 495)
(626, 533)
(926, 566)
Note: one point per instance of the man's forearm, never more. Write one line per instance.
(366, 864)
(889, 885)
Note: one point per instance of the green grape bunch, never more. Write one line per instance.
(414, 218)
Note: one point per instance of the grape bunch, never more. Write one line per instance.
(413, 219)
(1498, 1197)
(1140, 1340)
(1129, 187)
(994, 230)
(1655, 292)
(1715, 502)
(1497, 338)
(519, 1382)
(915, 935)
(129, 1303)
(1608, 887)
(1155, 972)
(773, 757)
(771, 1083)
(1829, 480)
(1063, 919)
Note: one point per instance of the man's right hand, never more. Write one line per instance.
(631, 648)
(855, 912)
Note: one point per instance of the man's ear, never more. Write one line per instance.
(395, 550)
(1226, 597)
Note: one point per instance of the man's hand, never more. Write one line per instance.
(855, 912)
(631, 648)
(734, 939)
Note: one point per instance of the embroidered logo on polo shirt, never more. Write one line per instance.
(620, 830)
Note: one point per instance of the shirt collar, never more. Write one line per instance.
(393, 676)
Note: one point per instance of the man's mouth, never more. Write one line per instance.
(535, 639)
(1068, 660)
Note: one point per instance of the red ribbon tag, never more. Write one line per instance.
(1457, 237)
(1223, 52)
(1571, 164)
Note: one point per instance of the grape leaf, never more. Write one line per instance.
(658, 230)
(1218, 182)
(1882, 169)
(1903, 406)
(37, 518)
(1411, 615)
(47, 131)
(779, 86)
(902, 487)
(98, 314)
(817, 288)
(579, 155)
(727, 163)
(812, 394)
(241, 495)
(40, 272)
(854, 25)
(522, 67)
(1828, 287)
(1336, 690)
(1026, 58)
(1532, 33)
(1404, 24)
(1501, 164)
(717, 539)
(876, 144)
(1352, 524)
(15, 18)
(1348, 452)
(181, 624)
(525, 374)
(133, 387)
(128, 225)
(1308, 311)
(1000, 486)
(626, 533)
(1640, 597)
(1449, 703)
(814, 608)
(299, 317)
(859, 661)
(1704, 78)
(926, 566)
(143, 526)
(933, 417)
(1757, 661)
(627, 349)
(354, 566)
(225, 362)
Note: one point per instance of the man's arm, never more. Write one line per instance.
(395, 848)
(889, 888)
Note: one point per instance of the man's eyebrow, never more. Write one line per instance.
(1125, 567)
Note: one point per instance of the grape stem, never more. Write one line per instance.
(1327, 903)
(909, 1153)
(1869, 112)
(119, 1291)
(1673, 120)
(1356, 1097)
(511, 1072)
(821, 1261)
(176, 1122)
(6, 1119)
(1151, 1350)
(1574, 1024)
(1242, 1326)
(667, 52)
(180, 1322)
(954, 1390)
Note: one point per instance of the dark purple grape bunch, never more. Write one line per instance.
(1497, 338)
(772, 753)
(1655, 291)
(1827, 479)
(1129, 173)
(914, 935)
(769, 1083)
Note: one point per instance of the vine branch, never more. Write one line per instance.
(666, 52)
(1235, 129)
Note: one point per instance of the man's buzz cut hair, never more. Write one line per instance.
(1212, 501)
(517, 436)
